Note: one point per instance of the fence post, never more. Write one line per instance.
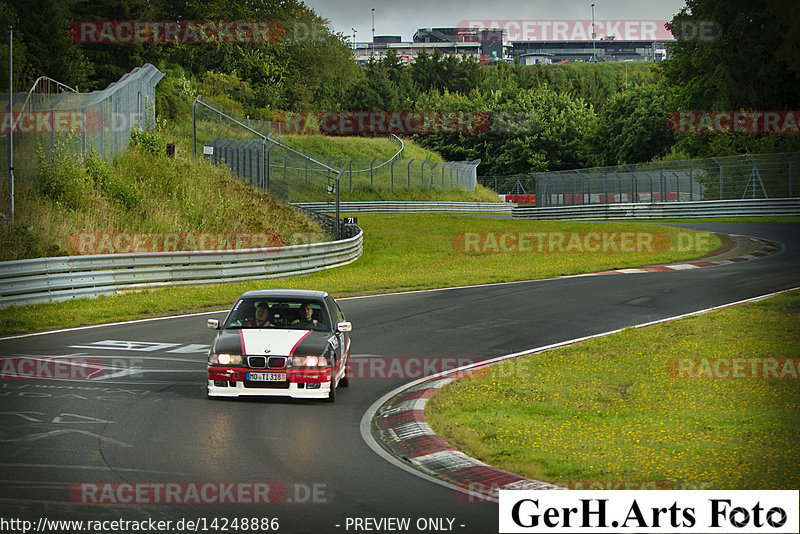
(371, 165)
(408, 175)
(338, 226)
(269, 154)
(422, 172)
(262, 174)
(351, 174)
(392, 172)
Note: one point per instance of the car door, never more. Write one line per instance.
(343, 339)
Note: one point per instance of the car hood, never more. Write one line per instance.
(271, 341)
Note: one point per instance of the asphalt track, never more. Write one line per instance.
(149, 420)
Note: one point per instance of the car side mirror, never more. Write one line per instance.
(213, 324)
(344, 326)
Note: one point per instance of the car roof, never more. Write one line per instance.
(301, 294)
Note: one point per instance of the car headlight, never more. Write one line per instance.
(309, 361)
(225, 359)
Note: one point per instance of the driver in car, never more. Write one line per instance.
(306, 319)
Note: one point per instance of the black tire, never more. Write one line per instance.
(345, 380)
(332, 393)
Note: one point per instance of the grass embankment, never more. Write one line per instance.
(610, 412)
(417, 175)
(401, 252)
(370, 172)
(142, 192)
(382, 147)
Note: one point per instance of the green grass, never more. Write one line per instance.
(609, 411)
(382, 148)
(401, 252)
(142, 192)
(366, 193)
(368, 175)
(743, 219)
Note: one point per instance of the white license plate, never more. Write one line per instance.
(266, 377)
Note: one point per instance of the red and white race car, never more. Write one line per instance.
(276, 342)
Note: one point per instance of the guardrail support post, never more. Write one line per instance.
(338, 227)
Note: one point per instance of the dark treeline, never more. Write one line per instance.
(543, 117)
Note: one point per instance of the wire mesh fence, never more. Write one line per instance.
(52, 116)
(253, 151)
(723, 178)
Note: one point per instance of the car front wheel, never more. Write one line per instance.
(332, 392)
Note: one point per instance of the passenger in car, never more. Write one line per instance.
(262, 318)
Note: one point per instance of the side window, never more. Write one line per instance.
(336, 312)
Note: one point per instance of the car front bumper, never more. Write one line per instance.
(300, 383)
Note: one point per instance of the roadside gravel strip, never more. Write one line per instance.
(395, 427)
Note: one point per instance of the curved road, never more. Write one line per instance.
(143, 418)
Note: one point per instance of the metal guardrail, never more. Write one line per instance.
(63, 278)
(781, 207)
(390, 206)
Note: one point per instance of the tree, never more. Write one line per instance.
(632, 127)
(735, 54)
(531, 130)
(43, 45)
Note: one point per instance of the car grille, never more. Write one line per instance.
(276, 362)
(257, 362)
(262, 362)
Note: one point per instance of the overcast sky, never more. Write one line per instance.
(404, 17)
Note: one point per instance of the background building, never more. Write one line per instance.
(491, 45)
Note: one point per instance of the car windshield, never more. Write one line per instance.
(278, 313)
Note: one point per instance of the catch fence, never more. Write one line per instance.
(253, 151)
(52, 116)
(724, 178)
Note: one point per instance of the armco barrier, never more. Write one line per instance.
(399, 206)
(780, 207)
(63, 278)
